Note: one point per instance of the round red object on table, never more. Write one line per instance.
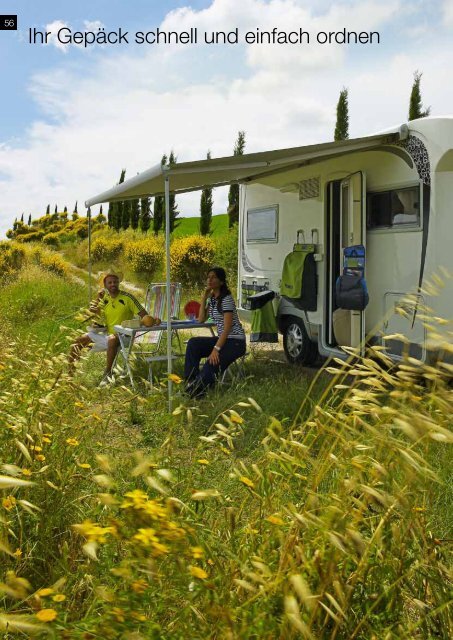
(191, 309)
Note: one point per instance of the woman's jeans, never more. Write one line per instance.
(198, 348)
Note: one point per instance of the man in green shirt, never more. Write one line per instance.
(112, 305)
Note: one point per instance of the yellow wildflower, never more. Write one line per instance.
(47, 440)
(18, 553)
(138, 616)
(236, 419)
(247, 482)
(8, 502)
(203, 461)
(139, 586)
(46, 591)
(72, 442)
(119, 614)
(198, 572)
(197, 552)
(59, 597)
(84, 465)
(40, 457)
(93, 532)
(26, 472)
(174, 378)
(46, 615)
(35, 447)
(275, 520)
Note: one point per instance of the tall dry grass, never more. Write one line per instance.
(328, 530)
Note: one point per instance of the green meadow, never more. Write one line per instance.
(289, 503)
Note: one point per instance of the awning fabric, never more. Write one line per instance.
(190, 176)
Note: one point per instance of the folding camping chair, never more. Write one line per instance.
(149, 343)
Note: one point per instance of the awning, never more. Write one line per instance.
(190, 176)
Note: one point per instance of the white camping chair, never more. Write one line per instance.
(149, 343)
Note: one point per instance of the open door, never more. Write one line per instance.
(347, 228)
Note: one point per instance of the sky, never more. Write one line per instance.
(72, 116)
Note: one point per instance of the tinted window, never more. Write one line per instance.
(395, 208)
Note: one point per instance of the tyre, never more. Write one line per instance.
(298, 346)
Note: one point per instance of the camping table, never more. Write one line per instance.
(127, 337)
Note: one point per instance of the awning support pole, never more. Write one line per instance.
(89, 254)
(167, 265)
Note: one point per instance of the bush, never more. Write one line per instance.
(191, 258)
(226, 252)
(144, 256)
(105, 249)
(51, 261)
(12, 258)
(33, 236)
(52, 239)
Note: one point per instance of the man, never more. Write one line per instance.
(115, 305)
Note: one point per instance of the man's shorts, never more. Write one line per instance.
(99, 340)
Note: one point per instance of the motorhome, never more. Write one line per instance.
(391, 193)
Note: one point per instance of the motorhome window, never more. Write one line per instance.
(262, 225)
(394, 209)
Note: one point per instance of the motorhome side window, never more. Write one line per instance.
(394, 209)
(262, 224)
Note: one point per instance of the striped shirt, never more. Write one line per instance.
(228, 305)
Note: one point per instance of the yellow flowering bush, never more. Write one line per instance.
(105, 249)
(52, 239)
(144, 256)
(12, 258)
(53, 262)
(190, 259)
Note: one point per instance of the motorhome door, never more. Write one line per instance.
(352, 232)
(347, 227)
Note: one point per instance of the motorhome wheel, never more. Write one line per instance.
(298, 346)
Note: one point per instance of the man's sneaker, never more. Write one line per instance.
(107, 380)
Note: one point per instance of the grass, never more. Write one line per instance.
(290, 504)
(191, 226)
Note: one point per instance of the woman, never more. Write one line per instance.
(221, 351)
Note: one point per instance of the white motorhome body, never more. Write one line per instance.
(394, 196)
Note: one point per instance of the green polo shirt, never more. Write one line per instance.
(114, 310)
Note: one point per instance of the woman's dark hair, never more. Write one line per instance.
(224, 290)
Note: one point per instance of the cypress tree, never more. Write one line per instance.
(159, 205)
(135, 214)
(115, 213)
(174, 213)
(22, 218)
(100, 211)
(206, 208)
(145, 214)
(48, 210)
(65, 210)
(56, 209)
(415, 101)
(233, 194)
(29, 220)
(342, 124)
(75, 207)
(126, 214)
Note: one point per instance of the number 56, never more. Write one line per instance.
(9, 23)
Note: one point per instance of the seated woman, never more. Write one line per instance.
(221, 351)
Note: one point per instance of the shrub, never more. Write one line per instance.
(52, 239)
(12, 258)
(51, 261)
(190, 259)
(33, 236)
(226, 252)
(144, 256)
(105, 249)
